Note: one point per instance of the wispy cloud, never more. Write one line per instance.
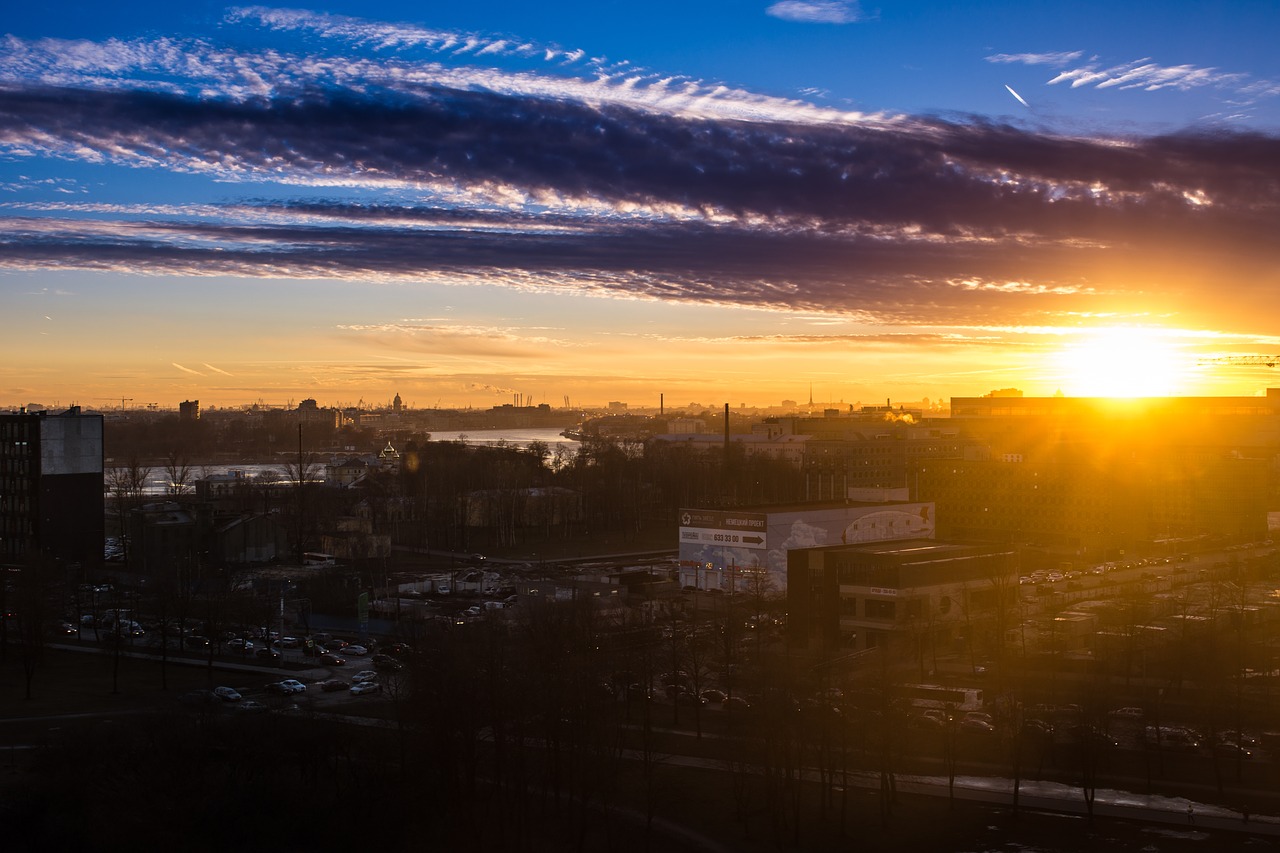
(1058, 58)
(817, 11)
(186, 369)
(217, 369)
(1148, 75)
(1140, 74)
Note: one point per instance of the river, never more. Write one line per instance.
(157, 481)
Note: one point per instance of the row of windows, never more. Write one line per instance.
(14, 484)
(10, 429)
(16, 504)
(15, 526)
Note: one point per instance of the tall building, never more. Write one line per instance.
(51, 486)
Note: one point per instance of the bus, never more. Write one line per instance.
(944, 698)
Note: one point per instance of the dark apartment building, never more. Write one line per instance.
(51, 486)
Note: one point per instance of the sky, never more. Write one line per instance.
(711, 201)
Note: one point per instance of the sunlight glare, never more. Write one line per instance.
(1122, 362)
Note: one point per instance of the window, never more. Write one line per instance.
(944, 604)
(874, 609)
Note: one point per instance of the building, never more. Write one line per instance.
(746, 550)
(918, 596)
(164, 538)
(189, 410)
(1086, 480)
(51, 486)
(783, 448)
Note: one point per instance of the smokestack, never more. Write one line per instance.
(661, 404)
(726, 429)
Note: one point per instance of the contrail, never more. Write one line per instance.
(1016, 95)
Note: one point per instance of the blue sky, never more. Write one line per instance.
(719, 201)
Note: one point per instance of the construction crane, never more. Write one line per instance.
(1243, 360)
(122, 400)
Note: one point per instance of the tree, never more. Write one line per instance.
(177, 471)
(126, 483)
(31, 612)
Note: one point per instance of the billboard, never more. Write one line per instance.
(727, 548)
(718, 528)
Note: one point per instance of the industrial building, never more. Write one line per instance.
(918, 596)
(746, 550)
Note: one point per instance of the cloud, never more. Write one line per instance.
(816, 11)
(1059, 58)
(395, 169)
(1143, 74)
(217, 369)
(1021, 100)
(186, 369)
(1147, 75)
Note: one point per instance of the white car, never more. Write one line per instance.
(288, 687)
(363, 676)
(227, 694)
(358, 651)
(365, 687)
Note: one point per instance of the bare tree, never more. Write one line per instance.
(178, 472)
(126, 484)
(31, 608)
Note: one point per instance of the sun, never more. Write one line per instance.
(1122, 362)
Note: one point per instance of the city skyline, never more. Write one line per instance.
(717, 202)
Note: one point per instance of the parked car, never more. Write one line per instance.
(265, 653)
(239, 645)
(363, 676)
(1037, 728)
(336, 645)
(385, 663)
(1243, 738)
(364, 687)
(195, 642)
(736, 703)
(1231, 749)
(251, 706)
(684, 697)
(333, 684)
(200, 697)
(713, 695)
(227, 694)
(330, 659)
(357, 651)
(925, 722)
(1172, 739)
(973, 725)
(290, 642)
(1128, 713)
(287, 687)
